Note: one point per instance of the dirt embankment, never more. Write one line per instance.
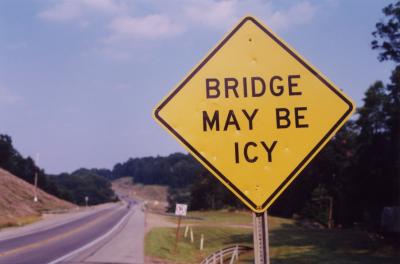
(155, 196)
(16, 201)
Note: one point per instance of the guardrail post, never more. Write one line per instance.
(191, 235)
(201, 242)
(235, 254)
(186, 231)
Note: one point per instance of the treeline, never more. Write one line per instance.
(24, 168)
(71, 187)
(176, 170)
(92, 183)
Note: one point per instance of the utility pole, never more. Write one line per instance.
(35, 198)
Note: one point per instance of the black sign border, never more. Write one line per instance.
(209, 164)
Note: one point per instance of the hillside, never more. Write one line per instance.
(154, 195)
(16, 201)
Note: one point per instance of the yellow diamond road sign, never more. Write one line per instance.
(254, 113)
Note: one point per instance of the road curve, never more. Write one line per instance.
(47, 245)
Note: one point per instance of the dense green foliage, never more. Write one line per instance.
(24, 168)
(189, 181)
(176, 170)
(387, 34)
(76, 186)
(71, 187)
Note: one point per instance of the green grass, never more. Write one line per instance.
(223, 217)
(293, 244)
(160, 242)
(215, 218)
(289, 243)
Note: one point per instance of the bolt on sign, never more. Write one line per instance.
(254, 113)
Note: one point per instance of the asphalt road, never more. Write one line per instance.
(47, 245)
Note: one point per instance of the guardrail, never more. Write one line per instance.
(226, 254)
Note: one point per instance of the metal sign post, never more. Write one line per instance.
(177, 232)
(260, 238)
(180, 210)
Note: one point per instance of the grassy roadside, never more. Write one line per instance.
(220, 217)
(160, 242)
(20, 221)
(26, 220)
(289, 243)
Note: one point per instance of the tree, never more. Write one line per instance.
(208, 193)
(6, 150)
(24, 168)
(176, 170)
(387, 34)
(329, 172)
(374, 174)
(76, 186)
(374, 168)
(387, 41)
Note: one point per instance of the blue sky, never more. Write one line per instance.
(79, 79)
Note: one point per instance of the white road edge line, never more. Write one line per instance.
(93, 242)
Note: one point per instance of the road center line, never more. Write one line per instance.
(93, 242)
(54, 238)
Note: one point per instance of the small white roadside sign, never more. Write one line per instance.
(181, 209)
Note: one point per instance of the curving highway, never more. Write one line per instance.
(54, 245)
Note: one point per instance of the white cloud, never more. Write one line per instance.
(217, 14)
(147, 27)
(123, 22)
(73, 10)
(173, 16)
(107, 6)
(222, 14)
(298, 14)
(212, 14)
(7, 97)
